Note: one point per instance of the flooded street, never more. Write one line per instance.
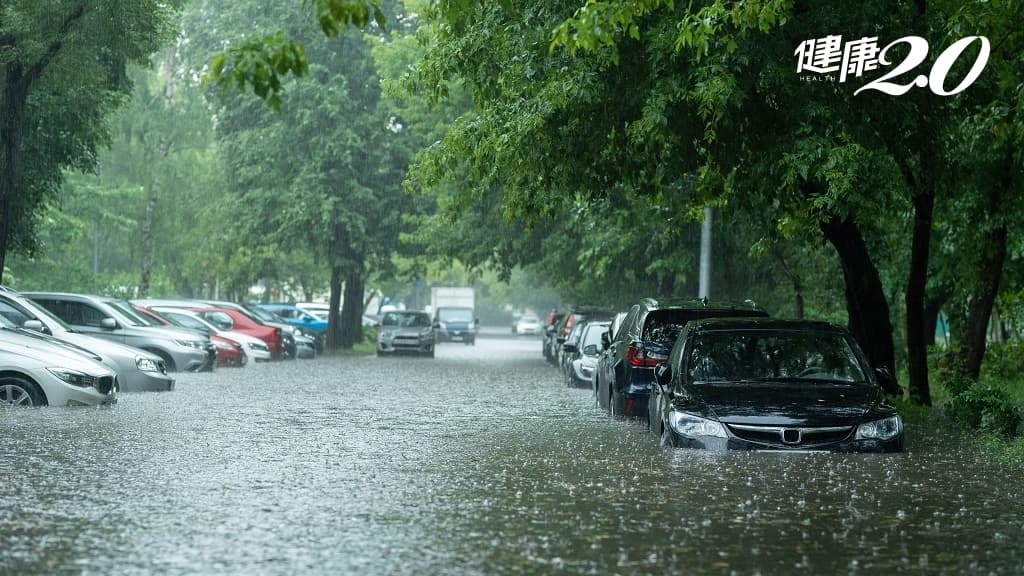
(477, 462)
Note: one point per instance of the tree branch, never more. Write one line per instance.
(51, 51)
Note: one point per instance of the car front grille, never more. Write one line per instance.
(795, 437)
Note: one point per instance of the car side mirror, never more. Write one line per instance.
(569, 348)
(663, 374)
(590, 349)
(883, 376)
(108, 323)
(476, 321)
(606, 341)
(33, 325)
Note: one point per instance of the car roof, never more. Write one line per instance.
(697, 304)
(753, 323)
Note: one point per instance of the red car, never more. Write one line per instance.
(229, 352)
(229, 319)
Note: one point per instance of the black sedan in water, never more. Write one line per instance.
(761, 384)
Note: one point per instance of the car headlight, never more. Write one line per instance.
(146, 364)
(198, 345)
(222, 345)
(884, 429)
(257, 346)
(442, 326)
(297, 332)
(387, 335)
(73, 377)
(426, 331)
(690, 425)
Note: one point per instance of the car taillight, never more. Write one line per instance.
(568, 325)
(637, 356)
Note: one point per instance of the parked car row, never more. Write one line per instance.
(726, 376)
(63, 349)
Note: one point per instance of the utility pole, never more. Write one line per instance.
(705, 256)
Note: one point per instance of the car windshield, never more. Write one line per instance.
(405, 319)
(455, 315)
(134, 318)
(188, 321)
(765, 355)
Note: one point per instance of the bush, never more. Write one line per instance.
(985, 407)
(1005, 361)
(369, 334)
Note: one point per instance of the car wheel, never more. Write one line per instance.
(430, 353)
(17, 391)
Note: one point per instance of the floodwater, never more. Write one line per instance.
(477, 462)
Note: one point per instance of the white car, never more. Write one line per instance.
(528, 324)
(36, 372)
(255, 349)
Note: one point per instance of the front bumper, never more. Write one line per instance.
(733, 442)
(140, 381)
(195, 359)
(405, 344)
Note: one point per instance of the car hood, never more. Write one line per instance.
(52, 355)
(168, 332)
(788, 403)
(106, 348)
(404, 330)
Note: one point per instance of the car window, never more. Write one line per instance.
(455, 315)
(15, 315)
(186, 321)
(593, 335)
(221, 320)
(79, 313)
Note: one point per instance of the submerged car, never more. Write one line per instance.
(760, 384)
(252, 347)
(137, 370)
(38, 372)
(117, 321)
(406, 331)
(643, 340)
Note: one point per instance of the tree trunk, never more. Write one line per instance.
(866, 305)
(917, 279)
(333, 317)
(352, 309)
(13, 96)
(798, 297)
(982, 299)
